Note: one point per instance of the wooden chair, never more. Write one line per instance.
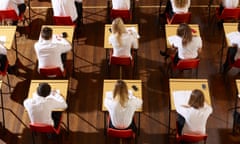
(123, 61)
(63, 20)
(44, 129)
(179, 18)
(228, 14)
(126, 15)
(186, 64)
(10, 14)
(52, 72)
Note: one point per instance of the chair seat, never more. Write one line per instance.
(63, 20)
(228, 13)
(52, 72)
(126, 15)
(44, 128)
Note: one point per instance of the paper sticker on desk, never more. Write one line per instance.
(109, 94)
(181, 97)
(2, 39)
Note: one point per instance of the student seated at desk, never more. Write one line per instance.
(67, 8)
(121, 107)
(122, 39)
(51, 49)
(233, 52)
(192, 117)
(18, 5)
(177, 6)
(227, 4)
(40, 107)
(187, 45)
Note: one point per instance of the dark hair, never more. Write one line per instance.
(46, 33)
(196, 99)
(43, 89)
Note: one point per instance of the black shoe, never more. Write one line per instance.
(166, 56)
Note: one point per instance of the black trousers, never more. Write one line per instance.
(180, 123)
(176, 58)
(56, 116)
(230, 58)
(3, 60)
(169, 9)
(131, 126)
(21, 8)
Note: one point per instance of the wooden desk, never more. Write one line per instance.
(107, 33)
(61, 85)
(189, 84)
(171, 30)
(228, 28)
(108, 85)
(9, 33)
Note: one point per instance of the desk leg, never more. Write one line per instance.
(73, 57)
(29, 11)
(3, 117)
(221, 53)
(15, 42)
(105, 125)
(138, 123)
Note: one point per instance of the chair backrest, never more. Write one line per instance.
(44, 128)
(187, 64)
(126, 133)
(51, 72)
(179, 18)
(63, 20)
(123, 61)
(8, 14)
(126, 15)
(228, 13)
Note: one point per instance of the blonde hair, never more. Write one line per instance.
(196, 99)
(185, 32)
(180, 3)
(120, 92)
(118, 28)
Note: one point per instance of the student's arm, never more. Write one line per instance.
(57, 101)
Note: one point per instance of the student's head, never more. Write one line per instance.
(46, 33)
(120, 92)
(43, 89)
(185, 32)
(196, 99)
(180, 3)
(118, 28)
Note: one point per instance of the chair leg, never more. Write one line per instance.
(8, 83)
(33, 139)
(120, 72)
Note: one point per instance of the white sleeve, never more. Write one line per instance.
(57, 101)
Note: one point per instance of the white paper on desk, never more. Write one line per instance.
(2, 40)
(181, 97)
(133, 31)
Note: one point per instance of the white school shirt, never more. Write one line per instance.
(195, 119)
(49, 51)
(230, 3)
(190, 50)
(121, 117)
(234, 39)
(10, 4)
(121, 4)
(128, 40)
(180, 10)
(64, 8)
(40, 108)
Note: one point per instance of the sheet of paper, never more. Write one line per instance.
(181, 97)
(2, 40)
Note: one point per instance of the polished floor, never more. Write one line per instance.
(86, 83)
